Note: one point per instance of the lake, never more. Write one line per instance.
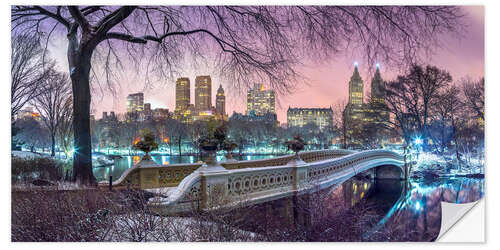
(126, 162)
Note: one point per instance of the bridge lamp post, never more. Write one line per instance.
(417, 141)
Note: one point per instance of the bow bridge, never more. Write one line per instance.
(202, 186)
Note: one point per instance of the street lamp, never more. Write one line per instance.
(417, 141)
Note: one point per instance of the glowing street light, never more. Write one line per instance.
(418, 141)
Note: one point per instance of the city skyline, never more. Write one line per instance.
(328, 81)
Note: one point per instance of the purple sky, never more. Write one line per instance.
(328, 81)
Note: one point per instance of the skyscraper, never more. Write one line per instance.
(260, 101)
(203, 94)
(377, 88)
(356, 87)
(135, 102)
(182, 94)
(220, 102)
(147, 113)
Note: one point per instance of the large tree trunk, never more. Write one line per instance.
(82, 159)
(52, 144)
(180, 147)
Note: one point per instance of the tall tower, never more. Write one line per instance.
(182, 94)
(220, 102)
(135, 102)
(377, 88)
(203, 93)
(356, 87)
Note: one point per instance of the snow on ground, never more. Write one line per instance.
(57, 186)
(27, 154)
(444, 165)
(165, 191)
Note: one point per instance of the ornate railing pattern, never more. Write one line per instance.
(308, 156)
(171, 175)
(261, 184)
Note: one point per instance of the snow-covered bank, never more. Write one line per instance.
(430, 165)
(27, 154)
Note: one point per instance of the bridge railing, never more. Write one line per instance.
(265, 183)
(308, 156)
(153, 176)
(159, 176)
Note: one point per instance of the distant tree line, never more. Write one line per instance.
(177, 138)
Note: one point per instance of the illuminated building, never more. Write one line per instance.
(299, 117)
(203, 94)
(160, 114)
(182, 112)
(260, 101)
(147, 107)
(377, 88)
(360, 117)
(182, 94)
(28, 113)
(204, 115)
(135, 102)
(356, 88)
(220, 104)
(147, 113)
(354, 111)
(267, 118)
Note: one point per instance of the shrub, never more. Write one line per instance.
(29, 169)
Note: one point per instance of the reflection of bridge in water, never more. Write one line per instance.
(254, 182)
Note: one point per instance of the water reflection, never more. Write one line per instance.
(126, 162)
(417, 214)
(363, 209)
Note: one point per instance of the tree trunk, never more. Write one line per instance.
(180, 147)
(52, 144)
(82, 158)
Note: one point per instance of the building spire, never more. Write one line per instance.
(377, 76)
(355, 74)
(377, 87)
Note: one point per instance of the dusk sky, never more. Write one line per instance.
(328, 81)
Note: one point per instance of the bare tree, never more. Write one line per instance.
(246, 43)
(65, 129)
(340, 120)
(474, 95)
(51, 103)
(410, 97)
(27, 70)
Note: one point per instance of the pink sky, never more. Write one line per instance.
(328, 81)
